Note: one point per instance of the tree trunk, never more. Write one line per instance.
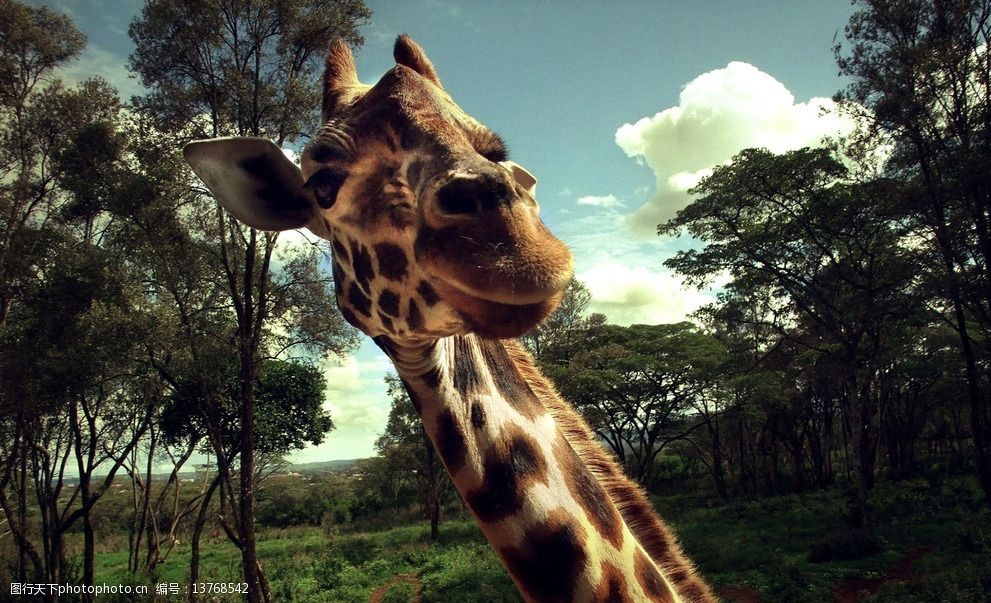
(246, 528)
(89, 553)
(435, 519)
(194, 540)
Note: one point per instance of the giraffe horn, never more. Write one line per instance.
(408, 53)
(340, 77)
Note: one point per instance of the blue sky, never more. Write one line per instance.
(616, 107)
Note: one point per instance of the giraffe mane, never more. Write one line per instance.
(630, 499)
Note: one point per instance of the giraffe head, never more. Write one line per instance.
(434, 232)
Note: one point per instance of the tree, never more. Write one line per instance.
(568, 321)
(77, 394)
(637, 385)
(243, 68)
(33, 43)
(56, 411)
(828, 254)
(921, 80)
(250, 68)
(408, 454)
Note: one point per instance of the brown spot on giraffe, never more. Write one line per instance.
(431, 378)
(427, 293)
(392, 262)
(611, 588)
(509, 382)
(477, 415)
(651, 581)
(359, 301)
(388, 303)
(450, 442)
(386, 321)
(467, 376)
(548, 566)
(414, 320)
(362, 263)
(510, 467)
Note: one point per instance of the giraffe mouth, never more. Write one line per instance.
(495, 319)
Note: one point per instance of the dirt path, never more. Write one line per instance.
(851, 591)
(848, 591)
(411, 579)
(739, 594)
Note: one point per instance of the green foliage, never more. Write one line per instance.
(35, 40)
(919, 74)
(845, 546)
(288, 401)
(552, 339)
(639, 386)
(252, 66)
(938, 545)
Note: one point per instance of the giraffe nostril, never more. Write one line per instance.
(472, 195)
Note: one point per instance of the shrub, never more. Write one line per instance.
(845, 546)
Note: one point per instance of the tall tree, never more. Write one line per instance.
(921, 79)
(33, 43)
(83, 400)
(829, 253)
(230, 67)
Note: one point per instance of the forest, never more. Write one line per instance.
(826, 420)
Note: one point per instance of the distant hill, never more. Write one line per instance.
(324, 466)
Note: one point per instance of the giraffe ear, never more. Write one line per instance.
(523, 177)
(254, 180)
(408, 53)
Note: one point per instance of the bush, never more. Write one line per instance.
(845, 546)
(787, 582)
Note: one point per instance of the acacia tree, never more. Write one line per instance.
(71, 394)
(85, 398)
(242, 68)
(637, 385)
(33, 43)
(921, 79)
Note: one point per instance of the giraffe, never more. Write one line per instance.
(439, 255)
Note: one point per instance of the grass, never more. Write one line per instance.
(785, 548)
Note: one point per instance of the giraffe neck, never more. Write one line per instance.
(555, 526)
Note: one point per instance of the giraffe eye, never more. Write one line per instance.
(324, 185)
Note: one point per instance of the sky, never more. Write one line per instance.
(618, 108)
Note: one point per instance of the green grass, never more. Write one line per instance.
(764, 545)
(769, 544)
(308, 565)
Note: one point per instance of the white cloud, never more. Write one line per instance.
(637, 295)
(356, 393)
(601, 201)
(358, 403)
(719, 114)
